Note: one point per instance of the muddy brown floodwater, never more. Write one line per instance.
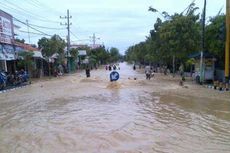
(73, 114)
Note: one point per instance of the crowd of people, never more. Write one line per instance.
(112, 67)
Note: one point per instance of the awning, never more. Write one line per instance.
(37, 54)
(197, 55)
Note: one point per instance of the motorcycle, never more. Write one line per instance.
(3, 80)
(21, 77)
(24, 77)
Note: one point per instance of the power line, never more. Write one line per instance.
(78, 39)
(43, 6)
(41, 32)
(30, 32)
(24, 9)
(31, 27)
(21, 10)
(47, 27)
(74, 34)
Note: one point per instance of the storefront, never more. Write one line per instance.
(7, 52)
(7, 58)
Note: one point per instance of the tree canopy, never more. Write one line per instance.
(178, 35)
(52, 45)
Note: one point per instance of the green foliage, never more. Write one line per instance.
(215, 43)
(99, 55)
(52, 45)
(74, 53)
(102, 56)
(114, 54)
(26, 62)
(178, 35)
(190, 62)
(20, 40)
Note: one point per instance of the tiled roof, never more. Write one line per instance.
(26, 46)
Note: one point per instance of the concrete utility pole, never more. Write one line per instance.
(227, 43)
(94, 40)
(203, 45)
(68, 37)
(27, 22)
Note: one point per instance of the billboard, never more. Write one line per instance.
(6, 28)
(82, 53)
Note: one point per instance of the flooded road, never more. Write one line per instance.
(73, 114)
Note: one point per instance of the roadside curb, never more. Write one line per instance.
(13, 89)
(217, 88)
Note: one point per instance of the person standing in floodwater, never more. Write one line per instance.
(114, 67)
(87, 72)
(110, 68)
(134, 67)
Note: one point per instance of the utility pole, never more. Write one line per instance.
(94, 40)
(227, 43)
(68, 37)
(203, 45)
(27, 22)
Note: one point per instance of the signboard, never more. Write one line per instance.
(6, 33)
(114, 76)
(82, 53)
(2, 57)
(8, 52)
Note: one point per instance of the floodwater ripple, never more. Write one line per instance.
(118, 121)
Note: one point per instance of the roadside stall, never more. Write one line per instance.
(208, 69)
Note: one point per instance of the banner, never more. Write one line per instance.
(7, 52)
(6, 33)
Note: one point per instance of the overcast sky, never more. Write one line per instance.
(116, 23)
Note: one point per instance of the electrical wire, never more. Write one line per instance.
(21, 10)
(44, 7)
(74, 35)
(31, 32)
(31, 27)
(46, 27)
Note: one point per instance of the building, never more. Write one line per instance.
(38, 67)
(7, 48)
(208, 67)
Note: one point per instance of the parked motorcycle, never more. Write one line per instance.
(20, 77)
(24, 77)
(3, 80)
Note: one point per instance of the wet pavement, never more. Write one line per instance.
(92, 115)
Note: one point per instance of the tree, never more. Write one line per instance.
(114, 54)
(99, 55)
(53, 45)
(26, 62)
(177, 36)
(20, 40)
(190, 63)
(74, 53)
(215, 38)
